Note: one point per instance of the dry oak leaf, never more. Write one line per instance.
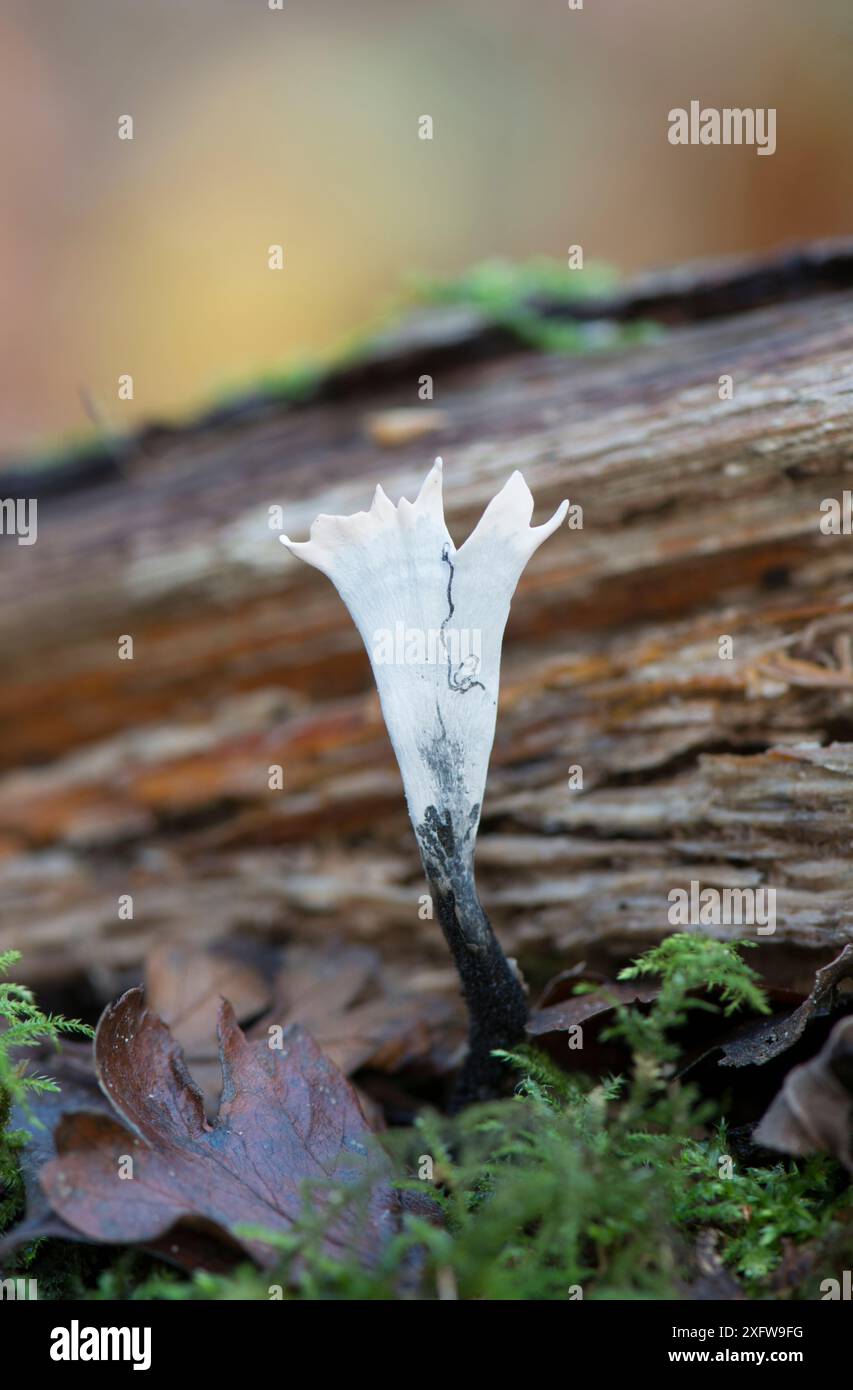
(286, 1116)
(814, 1109)
(357, 1012)
(338, 993)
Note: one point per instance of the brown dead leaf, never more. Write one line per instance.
(338, 993)
(560, 1011)
(758, 1042)
(560, 1017)
(355, 1013)
(814, 1110)
(184, 985)
(286, 1116)
(74, 1072)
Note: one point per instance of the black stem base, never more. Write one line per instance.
(497, 1008)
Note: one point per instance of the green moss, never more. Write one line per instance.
(756, 1210)
(509, 294)
(22, 1025)
(513, 294)
(688, 967)
(505, 293)
(497, 285)
(67, 452)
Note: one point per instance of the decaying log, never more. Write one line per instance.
(701, 518)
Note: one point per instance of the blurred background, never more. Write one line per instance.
(299, 127)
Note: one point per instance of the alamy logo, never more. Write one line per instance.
(727, 125)
(833, 1289)
(461, 648)
(837, 518)
(18, 1289)
(76, 1343)
(19, 517)
(723, 907)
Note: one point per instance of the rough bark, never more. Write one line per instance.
(701, 518)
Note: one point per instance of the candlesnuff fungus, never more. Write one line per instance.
(432, 619)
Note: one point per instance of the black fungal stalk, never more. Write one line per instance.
(497, 1008)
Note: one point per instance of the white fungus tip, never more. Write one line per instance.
(381, 506)
(429, 498)
(549, 527)
(303, 550)
(508, 514)
(515, 500)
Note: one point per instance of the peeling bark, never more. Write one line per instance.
(701, 519)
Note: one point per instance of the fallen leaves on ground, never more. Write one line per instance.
(287, 1115)
(560, 1011)
(568, 1013)
(356, 1014)
(767, 1038)
(814, 1110)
